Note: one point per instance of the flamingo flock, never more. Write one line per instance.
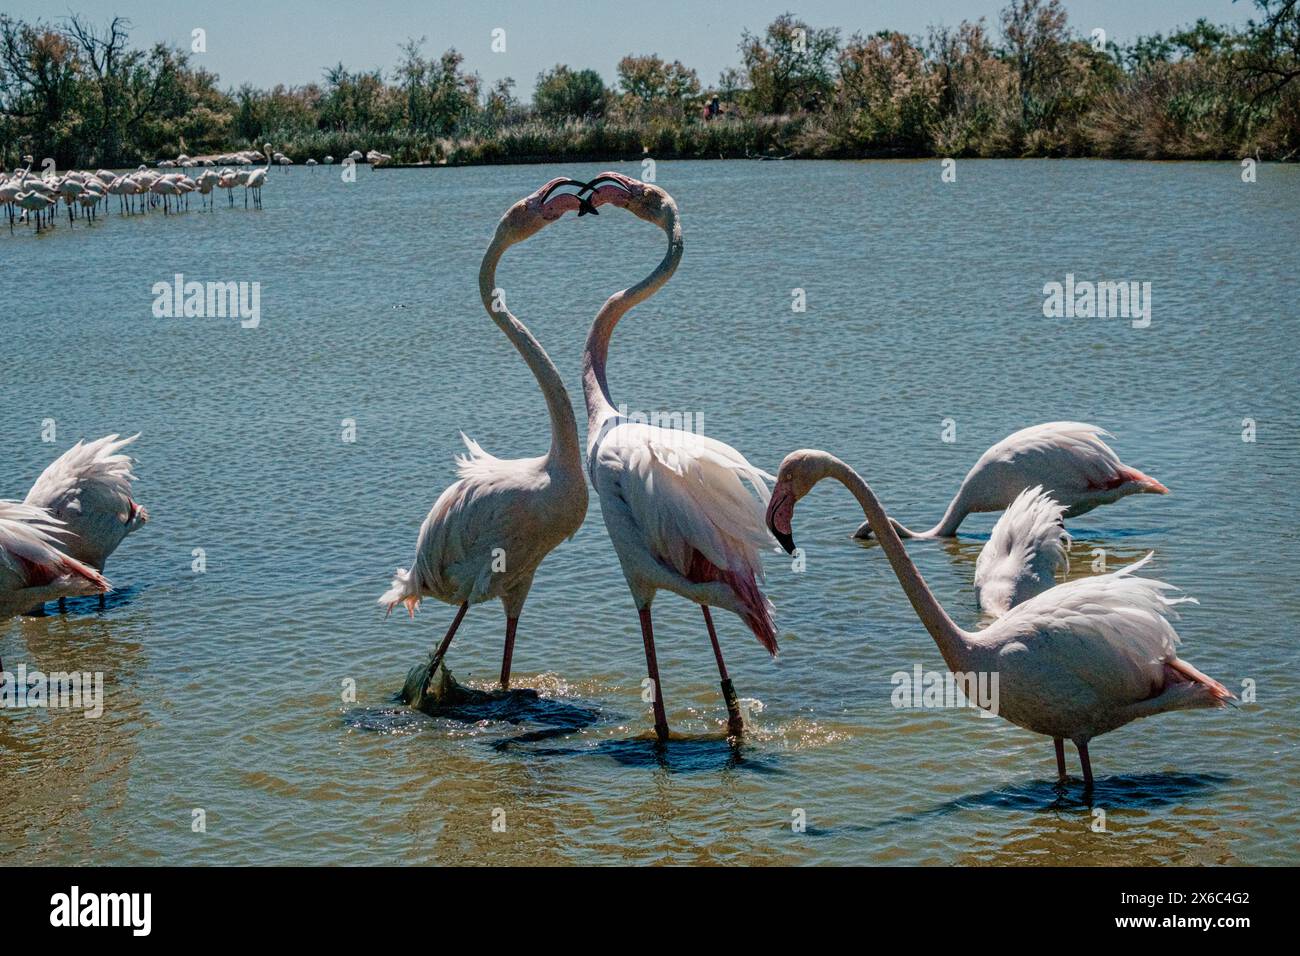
(36, 198)
(686, 513)
(690, 515)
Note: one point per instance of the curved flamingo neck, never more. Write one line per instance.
(595, 387)
(953, 642)
(947, 526)
(565, 452)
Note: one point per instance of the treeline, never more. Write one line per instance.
(1029, 85)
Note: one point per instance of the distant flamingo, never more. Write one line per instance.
(684, 512)
(166, 188)
(206, 183)
(489, 531)
(228, 179)
(1029, 544)
(256, 180)
(88, 489)
(1078, 660)
(33, 569)
(35, 202)
(1068, 458)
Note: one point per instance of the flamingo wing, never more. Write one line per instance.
(88, 488)
(1028, 546)
(483, 515)
(1105, 644)
(685, 510)
(32, 568)
(1064, 457)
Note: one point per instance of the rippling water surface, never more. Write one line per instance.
(226, 690)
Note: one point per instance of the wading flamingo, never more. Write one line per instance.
(87, 490)
(1027, 548)
(1069, 458)
(35, 202)
(1078, 660)
(33, 568)
(489, 531)
(684, 512)
(256, 180)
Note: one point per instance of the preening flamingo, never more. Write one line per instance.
(88, 490)
(489, 531)
(1078, 660)
(33, 568)
(684, 512)
(1068, 458)
(1029, 544)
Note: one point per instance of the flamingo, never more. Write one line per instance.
(1078, 660)
(1029, 544)
(88, 490)
(684, 512)
(91, 197)
(207, 181)
(35, 202)
(70, 187)
(33, 568)
(489, 531)
(165, 187)
(122, 187)
(228, 179)
(9, 190)
(256, 180)
(1070, 458)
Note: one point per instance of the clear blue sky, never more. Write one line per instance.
(292, 41)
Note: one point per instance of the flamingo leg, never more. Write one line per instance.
(735, 725)
(446, 641)
(1087, 764)
(1060, 759)
(511, 624)
(652, 666)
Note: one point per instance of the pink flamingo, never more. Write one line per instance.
(1076, 661)
(488, 532)
(33, 568)
(1069, 459)
(684, 512)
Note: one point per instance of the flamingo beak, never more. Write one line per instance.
(611, 178)
(584, 205)
(780, 511)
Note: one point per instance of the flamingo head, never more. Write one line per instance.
(540, 208)
(796, 477)
(645, 200)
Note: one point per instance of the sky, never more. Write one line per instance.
(293, 41)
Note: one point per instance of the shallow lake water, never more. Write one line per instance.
(226, 691)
